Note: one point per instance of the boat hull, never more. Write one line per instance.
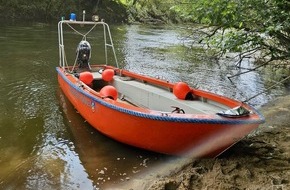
(197, 136)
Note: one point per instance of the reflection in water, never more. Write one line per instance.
(35, 149)
(106, 161)
(45, 144)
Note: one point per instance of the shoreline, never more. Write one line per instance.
(259, 161)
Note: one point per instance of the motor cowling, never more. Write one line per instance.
(83, 54)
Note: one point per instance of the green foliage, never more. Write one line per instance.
(47, 10)
(151, 11)
(245, 26)
(34, 9)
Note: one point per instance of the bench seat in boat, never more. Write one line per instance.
(156, 98)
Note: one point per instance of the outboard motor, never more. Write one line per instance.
(84, 54)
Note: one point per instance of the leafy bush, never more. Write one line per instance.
(243, 26)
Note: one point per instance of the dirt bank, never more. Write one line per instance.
(260, 161)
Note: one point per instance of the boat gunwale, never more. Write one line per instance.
(171, 118)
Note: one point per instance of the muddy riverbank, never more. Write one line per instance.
(260, 161)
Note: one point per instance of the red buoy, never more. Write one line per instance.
(109, 92)
(86, 77)
(108, 74)
(180, 90)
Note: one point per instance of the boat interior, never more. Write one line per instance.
(133, 89)
(141, 93)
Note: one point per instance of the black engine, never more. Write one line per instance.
(84, 54)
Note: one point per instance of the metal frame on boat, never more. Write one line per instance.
(107, 32)
(146, 112)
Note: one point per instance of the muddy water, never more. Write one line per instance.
(45, 144)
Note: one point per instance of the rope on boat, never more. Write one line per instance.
(84, 35)
(75, 62)
(65, 60)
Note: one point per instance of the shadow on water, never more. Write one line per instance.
(106, 161)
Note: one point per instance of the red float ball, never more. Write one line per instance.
(109, 92)
(180, 90)
(108, 74)
(86, 77)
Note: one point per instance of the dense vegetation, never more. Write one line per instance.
(248, 27)
(251, 28)
(245, 26)
(50, 10)
(112, 10)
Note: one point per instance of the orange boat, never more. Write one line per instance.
(146, 112)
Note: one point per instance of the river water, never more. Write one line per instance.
(44, 142)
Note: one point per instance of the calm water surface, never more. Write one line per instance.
(45, 144)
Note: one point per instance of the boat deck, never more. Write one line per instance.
(156, 98)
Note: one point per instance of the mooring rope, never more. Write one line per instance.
(75, 62)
